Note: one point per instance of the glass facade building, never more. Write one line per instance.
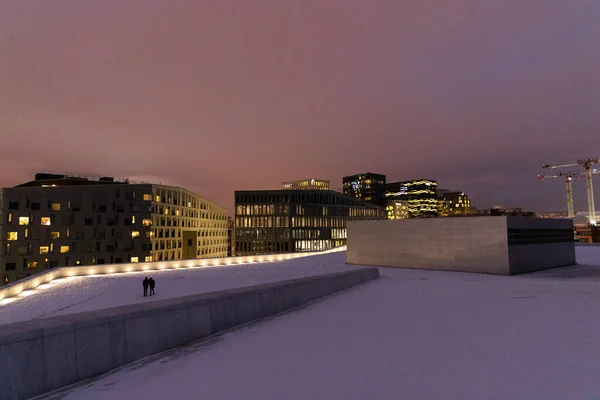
(306, 184)
(286, 221)
(421, 196)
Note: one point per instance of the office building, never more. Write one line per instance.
(59, 220)
(306, 184)
(421, 196)
(453, 204)
(284, 221)
(397, 209)
(368, 187)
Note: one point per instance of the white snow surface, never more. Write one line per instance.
(411, 334)
(86, 293)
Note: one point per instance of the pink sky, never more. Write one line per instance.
(224, 95)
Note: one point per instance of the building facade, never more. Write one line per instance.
(306, 184)
(286, 221)
(421, 196)
(397, 209)
(454, 204)
(63, 221)
(368, 187)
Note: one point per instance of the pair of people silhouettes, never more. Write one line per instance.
(148, 284)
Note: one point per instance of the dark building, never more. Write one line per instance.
(230, 238)
(286, 221)
(509, 212)
(453, 204)
(368, 187)
(588, 234)
(421, 196)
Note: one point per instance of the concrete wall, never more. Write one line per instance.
(43, 355)
(493, 245)
(452, 244)
(14, 289)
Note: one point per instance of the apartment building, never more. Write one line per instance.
(59, 220)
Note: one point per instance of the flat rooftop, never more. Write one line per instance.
(412, 334)
(87, 293)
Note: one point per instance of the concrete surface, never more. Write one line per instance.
(492, 245)
(43, 355)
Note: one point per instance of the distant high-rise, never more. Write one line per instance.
(368, 187)
(421, 196)
(284, 221)
(306, 184)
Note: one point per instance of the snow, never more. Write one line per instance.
(411, 334)
(86, 293)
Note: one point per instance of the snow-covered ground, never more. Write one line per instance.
(78, 294)
(411, 334)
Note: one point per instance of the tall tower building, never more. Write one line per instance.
(368, 187)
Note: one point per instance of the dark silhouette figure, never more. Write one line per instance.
(145, 284)
(152, 283)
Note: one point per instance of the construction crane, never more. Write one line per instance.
(569, 176)
(589, 173)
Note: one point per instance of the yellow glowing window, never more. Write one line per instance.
(46, 221)
(148, 259)
(23, 220)
(166, 211)
(55, 206)
(151, 234)
(135, 234)
(54, 235)
(9, 217)
(147, 197)
(64, 249)
(146, 222)
(11, 235)
(157, 199)
(44, 250)
(32, 264)
(135, 259)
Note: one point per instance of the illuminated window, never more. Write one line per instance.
(147, 197)
(133, 219)
(135, 234)
(9, 217)
(44, 250)
(46, 221)
(146, 222)
(11, 235)
(135, 259)
(55, 206)
(148, 259)
(68, 232)
(157, 199)
(78, 262)
(64, 249)
(23, 220)
(32, 264)
(54, 235)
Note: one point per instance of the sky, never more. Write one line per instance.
(218, 96)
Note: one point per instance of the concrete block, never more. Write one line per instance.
(118, 343)
(481, 245)
(266, 304)
(166, 331)
(200, 321)
(93, 350)
(60, 361)
(181, 323)
(142, 337)
(223, 314)
(247, 307)
(22, 369)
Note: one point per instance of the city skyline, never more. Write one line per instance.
(217, 97)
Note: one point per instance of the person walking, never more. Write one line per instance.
(145, 284)
(152, 284)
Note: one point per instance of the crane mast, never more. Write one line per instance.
(569, 188)
(589, 173)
